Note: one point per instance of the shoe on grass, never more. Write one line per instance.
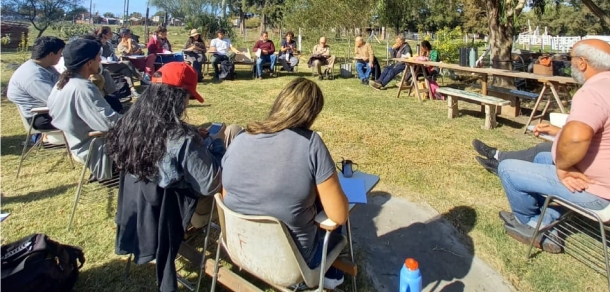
(490, 165)
(523, 233)
(483, 149)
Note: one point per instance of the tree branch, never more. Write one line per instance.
(597, 11)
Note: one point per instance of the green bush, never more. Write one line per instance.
(448, 43)
(70, 30)
(208, 24)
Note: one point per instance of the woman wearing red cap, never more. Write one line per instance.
(170, 170)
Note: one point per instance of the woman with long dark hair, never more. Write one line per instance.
(194, 52)
(280, 168)
(170, 170)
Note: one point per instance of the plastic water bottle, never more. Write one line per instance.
(410, 277)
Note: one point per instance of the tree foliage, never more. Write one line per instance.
(109, 15)
(42, 13)
(323, 14)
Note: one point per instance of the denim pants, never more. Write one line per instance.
(316, 261)
(390, 72)
(364, 70)
(265, 59)
(525, 183)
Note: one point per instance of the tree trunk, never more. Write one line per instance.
(597, 11)
(263, 26)
(500, 40)
(242, 22)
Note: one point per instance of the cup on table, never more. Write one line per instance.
(347, 167)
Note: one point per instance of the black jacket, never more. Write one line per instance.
(151, 222)
(403, 50)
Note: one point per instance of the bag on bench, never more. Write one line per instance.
(227, 70)
(36, 263)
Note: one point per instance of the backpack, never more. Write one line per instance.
(36, 263)
(122, 88)
(227, 70)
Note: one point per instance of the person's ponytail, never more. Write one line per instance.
(64, 78)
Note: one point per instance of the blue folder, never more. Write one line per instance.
(354, 189)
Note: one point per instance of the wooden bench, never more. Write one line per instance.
(489, 102)
(514, 96)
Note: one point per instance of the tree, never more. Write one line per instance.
(109, 15)
(42, 13)
(160, 13)
(77, 11)
(318, 14)
(135, 15)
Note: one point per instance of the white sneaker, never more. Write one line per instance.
(330, 283)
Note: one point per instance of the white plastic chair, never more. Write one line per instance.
(29, 128)
(263, 246)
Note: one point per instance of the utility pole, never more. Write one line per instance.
(125, 12)
(91, 11)
(223, 6)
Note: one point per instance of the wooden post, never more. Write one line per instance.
(452, 103)
(490, 117)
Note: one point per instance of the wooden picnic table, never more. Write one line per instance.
(549, 82)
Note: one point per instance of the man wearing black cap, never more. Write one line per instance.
(78, 107)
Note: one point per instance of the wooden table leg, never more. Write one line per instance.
(414, 82)
(540, 97)
(402, 80)
(490, 117)
(426, 81)
(556, 96)
(483, 78)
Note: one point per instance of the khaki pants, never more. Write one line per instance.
(330, 62)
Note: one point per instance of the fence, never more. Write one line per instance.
(556, 43)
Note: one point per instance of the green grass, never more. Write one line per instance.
(419, 154)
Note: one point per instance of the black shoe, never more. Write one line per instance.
(320, 77)
(490, 164)
(524, 233)
(508, 218)
(483, 149)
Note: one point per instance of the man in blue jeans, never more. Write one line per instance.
(577, 168)
(265, 53)
(400, 49)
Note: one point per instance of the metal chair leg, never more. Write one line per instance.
(605, 247)
(77, 196)
(216, 264)
(68, 150)
(25, 147)
(537, 229)
(351, 251)
(323, 264)
(205, 246)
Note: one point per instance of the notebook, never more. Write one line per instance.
(354, 189)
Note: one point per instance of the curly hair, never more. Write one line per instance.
(137, 144)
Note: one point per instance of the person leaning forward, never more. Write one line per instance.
(321, 56)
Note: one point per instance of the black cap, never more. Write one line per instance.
(80, 51)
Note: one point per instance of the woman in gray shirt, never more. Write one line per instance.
(280, 168)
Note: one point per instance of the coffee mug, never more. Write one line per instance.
(347, 167)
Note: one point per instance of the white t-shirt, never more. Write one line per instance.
(222, 45)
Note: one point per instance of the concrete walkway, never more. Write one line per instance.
(388, 230)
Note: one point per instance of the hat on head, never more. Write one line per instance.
(179, 74)
(194, 32)
(80, 51)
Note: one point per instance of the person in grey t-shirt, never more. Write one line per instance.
(280, 168)
(32, 82)
(78, 107)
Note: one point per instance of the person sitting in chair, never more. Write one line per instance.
(400, 49)
(194, 52)
(288, 53)
(222, 50)
(576, 169)
(265, 53)
(78, 107)
(364, 56)
(129, 47)
(281, 153)
(33, 81)
(321, 56)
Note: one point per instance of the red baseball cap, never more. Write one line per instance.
(181, 75)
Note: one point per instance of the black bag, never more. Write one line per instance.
(376, 72)
(122, 88)
(227, 70)
(36, 263)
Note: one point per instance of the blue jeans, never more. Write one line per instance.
(316, 261)
(364, 70)
(265, 59)
(389, 72)
(525, 182)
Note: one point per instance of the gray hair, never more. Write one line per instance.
(598, 59)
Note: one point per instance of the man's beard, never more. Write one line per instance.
(578, 75)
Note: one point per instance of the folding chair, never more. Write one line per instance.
(112, 183)
(587, 240)
(247, 241)
(29, 128)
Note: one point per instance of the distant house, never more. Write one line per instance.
(110, 20)
(14, 30)
(176, 22)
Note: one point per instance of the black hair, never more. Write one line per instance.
(124, 31)
(160, 29)
(45, 45)
(102, 30)
(426, 45)
(289, 33)
(264, 32)
(137, 145)
(222, 31)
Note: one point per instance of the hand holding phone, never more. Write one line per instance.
(217, 131)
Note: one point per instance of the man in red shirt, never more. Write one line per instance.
(265, 53)
(578, 167)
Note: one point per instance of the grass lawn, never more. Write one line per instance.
(419, 154)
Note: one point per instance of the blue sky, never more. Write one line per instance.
(116, 6)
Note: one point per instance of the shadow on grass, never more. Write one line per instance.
(111, 276)
(440, 244)
(11, 145)
(38, 195)
(502, 122)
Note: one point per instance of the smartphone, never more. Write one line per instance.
(215, 128)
